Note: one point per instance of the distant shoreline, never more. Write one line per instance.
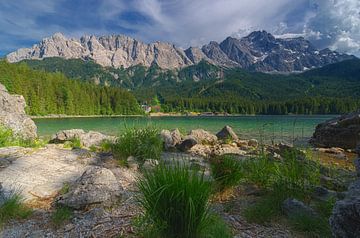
(166, 115)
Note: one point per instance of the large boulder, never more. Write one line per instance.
(96, 186)
(345, 218)
(227, 133)
(203, 137)
(343, 132)
(187, 143)
(87, 139)
(13, 116)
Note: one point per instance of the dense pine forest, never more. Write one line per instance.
(333, 89)
(53, 93)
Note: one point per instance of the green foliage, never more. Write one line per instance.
(311, 226)
(7, 138)
(227, 171)
(325, 208)
(13, 208)
(142, 143)
(73, 143)
(65, 189)
(106, 146)
(175, 201)
(61, 215)
(260, 171)
(53, 93)
(216, 228)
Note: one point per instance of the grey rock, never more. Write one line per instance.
(323, 194)
(203, 137)
(227, 133)
(150, 164)
(343, 132)
(187, 144)
(171, 138)
(87, 139)
(345, 218)
(13, 116)
(253, 143)
(96, 186)
(292, 207)
(357, 166)
(132, 163)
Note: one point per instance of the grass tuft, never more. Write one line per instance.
(143, 143)
(13, 208)
(227, 172)
(61, 215)
(310, 225)
(175, 201)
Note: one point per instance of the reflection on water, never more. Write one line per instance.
(267, 128)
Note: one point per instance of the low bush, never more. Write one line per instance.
(73, 143)
(13, 208)
(260, 171)
(61, 215)
(227, 171)
(7, 138)
(143, 143)
(175, 201)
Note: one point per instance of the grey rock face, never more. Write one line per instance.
(259, 51)
(227, 133)
(345, 218)
(96, 186)
(343, 132)
(87, 139)
(13, 116)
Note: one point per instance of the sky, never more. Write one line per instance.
(327, 23)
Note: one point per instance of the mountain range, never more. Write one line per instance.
(259, 51)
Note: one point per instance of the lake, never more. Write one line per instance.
(296, 129)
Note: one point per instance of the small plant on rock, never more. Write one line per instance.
(61, 215)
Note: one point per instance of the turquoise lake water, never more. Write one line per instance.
(268, 128)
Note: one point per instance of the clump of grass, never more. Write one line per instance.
(310, 225)
(61, 215)
(13, 208)
(227, 172)
(175, 201)
(106, 146)
(65, 189)
(73, 143)
(260, 171)
(143, 143)
(217, 228)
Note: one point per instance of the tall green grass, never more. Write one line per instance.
(227, 171)
(175, 202)
(13, 208)
(143, 143)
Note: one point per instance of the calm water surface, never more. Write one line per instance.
(268, 128)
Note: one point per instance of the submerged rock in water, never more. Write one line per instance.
(345, 218)
(227, 133)
(13, 116)
(343, 132)
(87, 139)
(96, 186)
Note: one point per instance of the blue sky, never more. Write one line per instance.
(327, 23)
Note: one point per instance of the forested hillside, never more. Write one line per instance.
(53, 93)
(203, 87)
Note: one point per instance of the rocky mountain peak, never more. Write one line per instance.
(259, 51)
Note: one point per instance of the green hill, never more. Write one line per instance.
(53, 93)
(204, 87)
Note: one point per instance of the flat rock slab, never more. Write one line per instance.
(42, 174)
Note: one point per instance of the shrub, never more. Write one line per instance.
(144, 143)
(7, 138)
(73, 143)
(13, 208)
(175, 201)
(61, 215)
(227, 171)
